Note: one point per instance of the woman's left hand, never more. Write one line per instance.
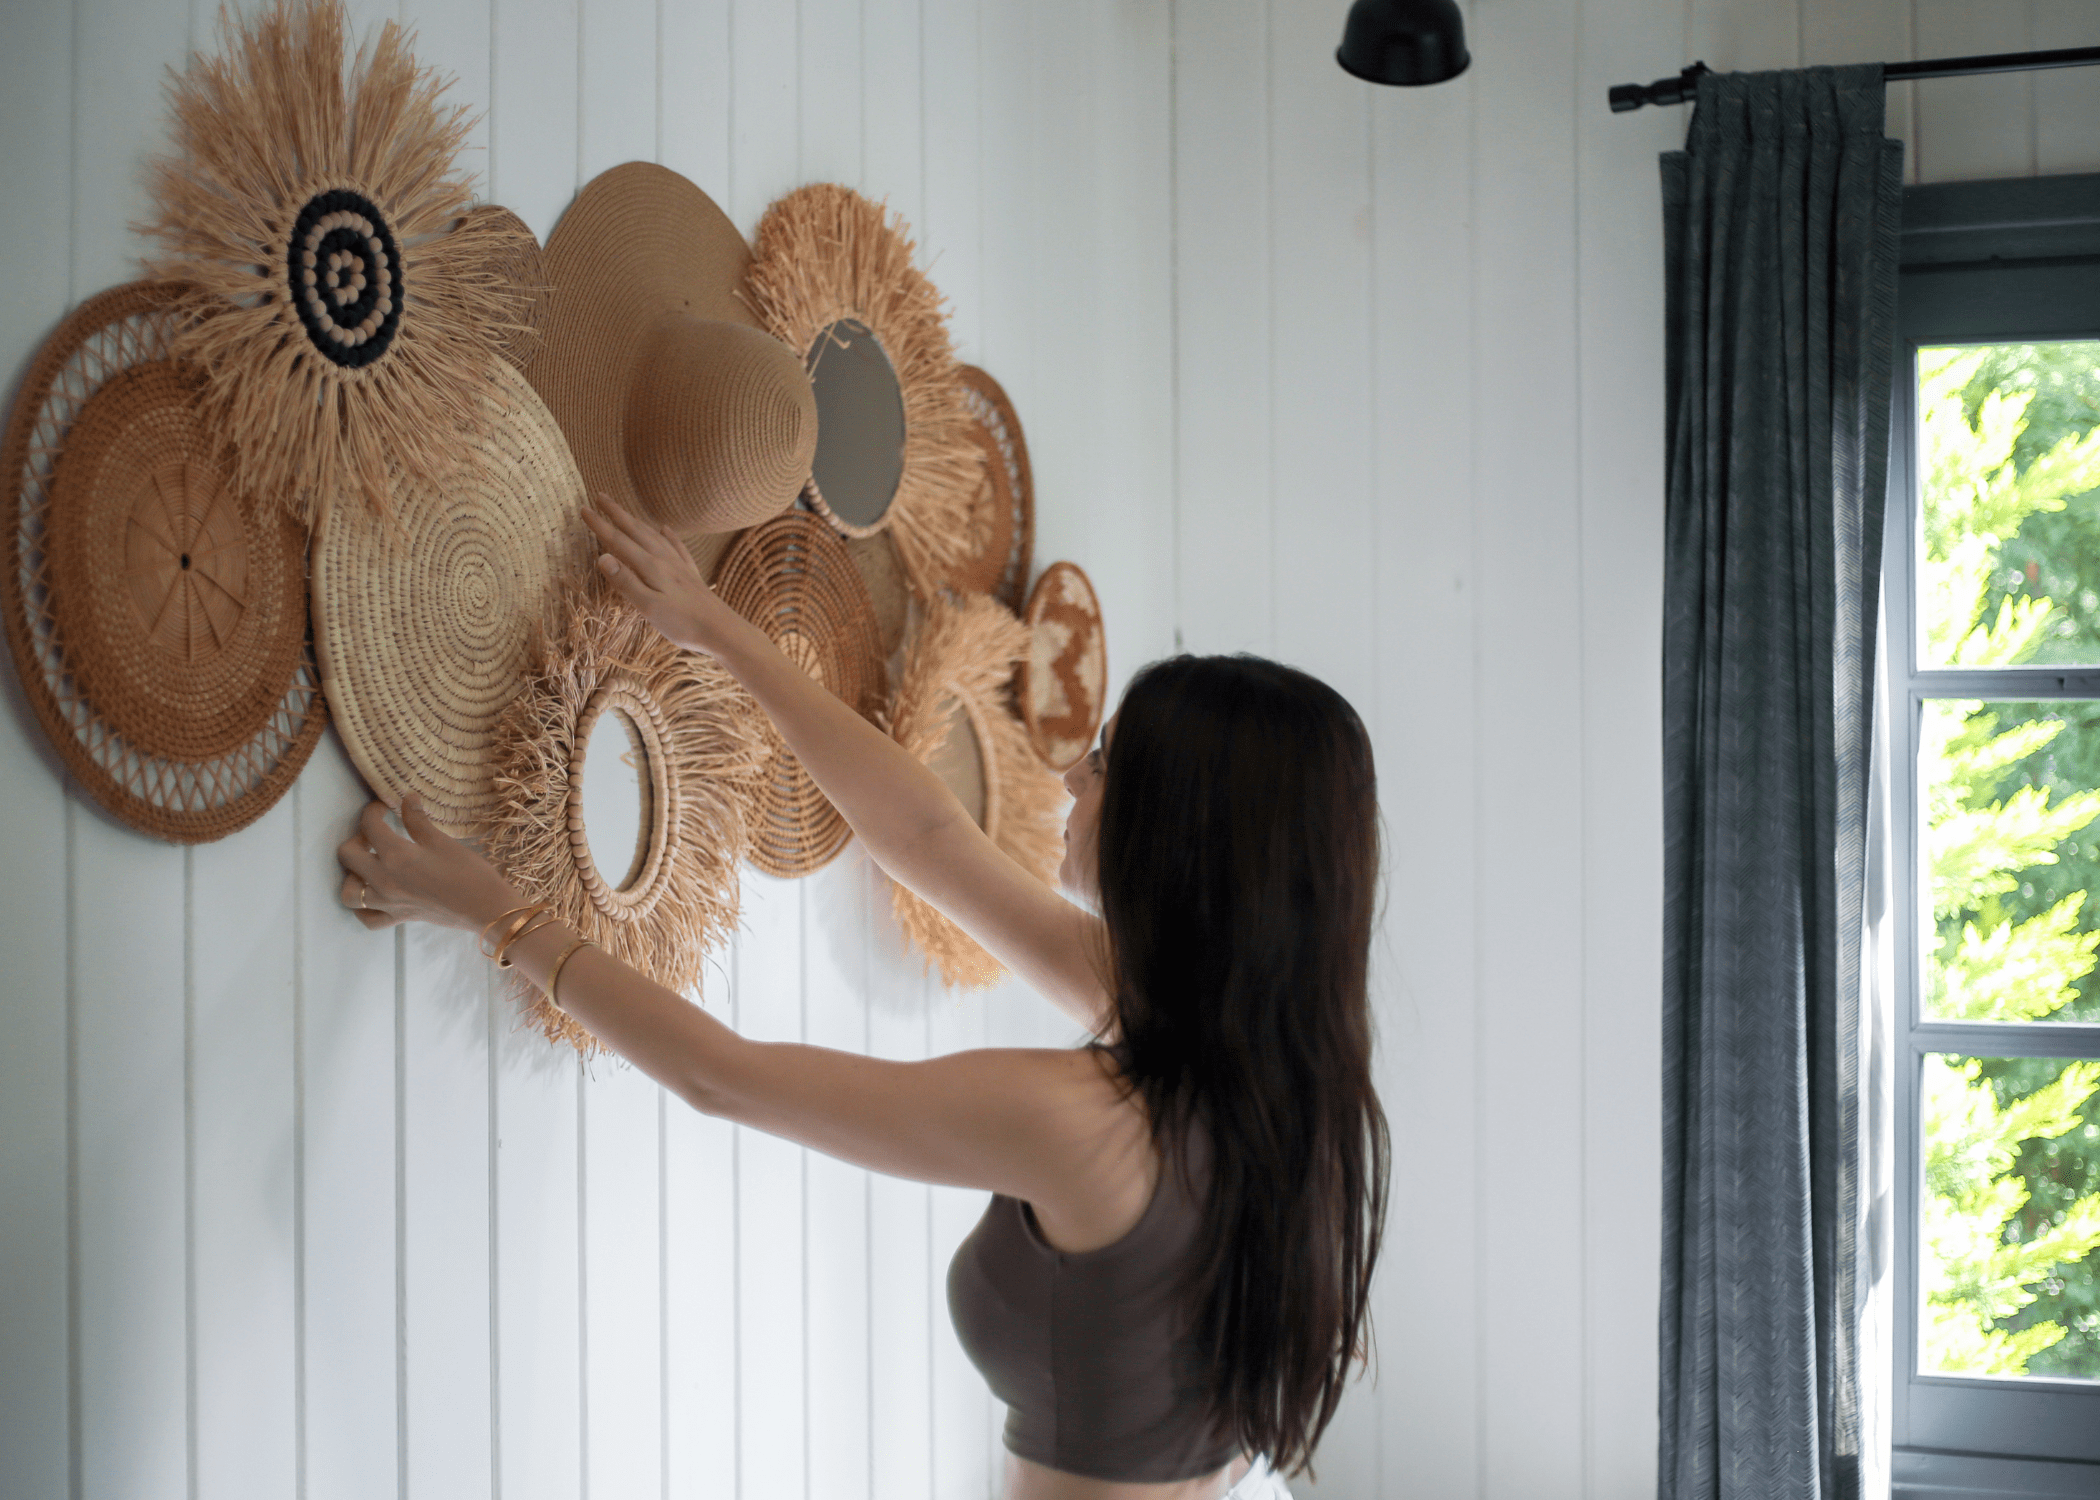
(423, 875)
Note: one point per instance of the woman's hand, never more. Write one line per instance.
(424, 875)
(652, 569)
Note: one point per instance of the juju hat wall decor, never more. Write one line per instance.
(675, 403)
(994, 414)
(833, 278)
(158, 625)
(704, 742)
(516, 261)
(791, 577)
(363, 345)
(1062, 687)
(951, 711)
(424, 618)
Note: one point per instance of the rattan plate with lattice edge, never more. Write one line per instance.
(996, 419)
(182, 609)
(792, 577)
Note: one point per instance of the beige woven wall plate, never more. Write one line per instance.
(157, 624)
(832, 277)
(424, 619)
(951, 711)
(342, 308)
(1062, 687)
(994, 415)
(701, 746)
(792, 578)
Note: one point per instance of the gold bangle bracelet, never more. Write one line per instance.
(483, 943)
(519, 916)
(554, 974)
(540, 919)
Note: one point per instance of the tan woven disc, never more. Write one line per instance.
(425, 623)
(184, 700)
(1062, 686)
(520, 265)
(991, 524)
(994, 413)
(888, 589)
(792, 578)
(183, 612)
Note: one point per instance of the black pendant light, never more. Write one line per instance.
(1410, 42)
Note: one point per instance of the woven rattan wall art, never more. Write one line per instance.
(601, 684)
(1062, 687)
(951, 711)
(515, 260)
(995, 417)
(424, 618)
(791, 577)
(675, 403)
(364, 346)
(833, 278)
(158, 626)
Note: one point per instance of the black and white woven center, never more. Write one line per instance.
(345, 274)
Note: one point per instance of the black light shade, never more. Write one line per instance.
(1408, 42)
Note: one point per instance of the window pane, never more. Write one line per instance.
(2009, 1246)
(2011, 821)
(2009, 476)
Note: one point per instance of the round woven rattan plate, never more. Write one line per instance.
(424, 619)
(793, 579)
(158, 628)
(994, 416)
(516, 260)
(1062, 687)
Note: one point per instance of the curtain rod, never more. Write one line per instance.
(1628, 96)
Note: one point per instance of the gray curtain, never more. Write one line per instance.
(1781, 221)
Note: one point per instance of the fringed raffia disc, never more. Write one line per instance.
(424, 617)
(1062, 687)
(951, 712)
(791, 577)
(994, 415)
(158, 627)
(517, 262)
(342, 309)
(704, 740)
(826, 255)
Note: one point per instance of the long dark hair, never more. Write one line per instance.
(1237, 867)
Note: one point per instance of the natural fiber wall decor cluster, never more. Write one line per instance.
(602, 683)
(833, 278)
(363, 346)
(157, 620)
(951, 711)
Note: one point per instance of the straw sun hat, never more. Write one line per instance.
(157, 623)
(675, 403)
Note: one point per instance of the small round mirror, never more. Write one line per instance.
(959, 762)
(617, 815)
(860, 424)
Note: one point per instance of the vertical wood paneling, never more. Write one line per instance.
(700, 1303)
(617, 72)
(244, 934)
(890, 82)
(762, 151)
(533, 87)
(623, 1275)
(696, 91)
(828, 102)
(37, 1066)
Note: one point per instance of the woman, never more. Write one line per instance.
(1169, 1288)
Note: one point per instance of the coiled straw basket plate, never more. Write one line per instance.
(158, 624)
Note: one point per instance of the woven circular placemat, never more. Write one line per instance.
(994, 414)
(791, 577)
(1062, 687)
(704, 741)
(517, 262)
(957, 666)
(826, 256)
(184, 700)
(424, 619)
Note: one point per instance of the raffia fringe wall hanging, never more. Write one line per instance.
(516, 261)
(997, 421)
(364, 346)
(951, 712)
(158, 624)
(704, 748)
(791, 577)
(832, 268)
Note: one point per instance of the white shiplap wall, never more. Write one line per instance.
(1369, 380)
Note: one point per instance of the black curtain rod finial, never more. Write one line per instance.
(1631, 96)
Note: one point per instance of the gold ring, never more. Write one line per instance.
(364, 895)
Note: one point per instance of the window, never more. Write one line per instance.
(1993, 658)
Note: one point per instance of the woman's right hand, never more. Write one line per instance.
(653, 571)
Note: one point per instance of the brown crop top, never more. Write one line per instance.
(1085, 1347)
